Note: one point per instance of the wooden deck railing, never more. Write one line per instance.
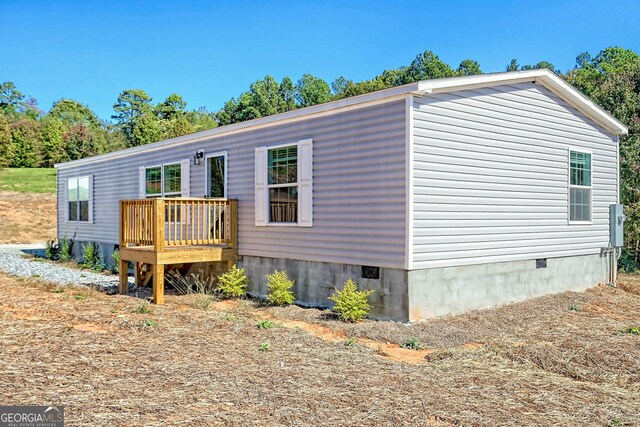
(178, 222)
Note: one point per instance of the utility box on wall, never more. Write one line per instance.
(616, 225)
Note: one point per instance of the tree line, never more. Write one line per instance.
(30, 137)
(70, 130)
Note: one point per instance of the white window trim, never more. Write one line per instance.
(162, 193)
(301, 181)
(269, 186)
(570, 186)
(207, 186)
(89, 200)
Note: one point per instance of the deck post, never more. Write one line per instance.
(158, 235)
(233, 222)
(121, 222)
(137, 267)
(158, 283)
(123, 270)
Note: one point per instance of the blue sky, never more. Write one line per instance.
(209, 51)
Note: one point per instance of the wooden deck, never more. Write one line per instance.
(155, 233)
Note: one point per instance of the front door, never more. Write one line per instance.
(217, 175)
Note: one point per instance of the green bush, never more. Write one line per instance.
(233, 283)
(351, 304)
(627, 263)
(279, 286)
(52, 250)
(66, 249)
(115, 261)
(91, 257)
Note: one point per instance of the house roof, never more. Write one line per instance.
(544, 77)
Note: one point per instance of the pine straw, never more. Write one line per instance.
(539, 363)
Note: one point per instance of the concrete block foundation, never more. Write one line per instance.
(417, 294)
(316, 281)
(440, 291)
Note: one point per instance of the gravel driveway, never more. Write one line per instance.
(15, 260)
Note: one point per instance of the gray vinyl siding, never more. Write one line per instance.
(491, 177)
(359, 162)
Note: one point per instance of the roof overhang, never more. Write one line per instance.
(544, 77)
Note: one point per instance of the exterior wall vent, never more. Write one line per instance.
(541, 263)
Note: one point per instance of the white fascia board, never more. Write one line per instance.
(547, 78)
(333, 107)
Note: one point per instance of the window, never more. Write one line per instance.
(282, 179)
(78, 198)
(580, 187)
(216, 175)
(284, 185)
(163, 181)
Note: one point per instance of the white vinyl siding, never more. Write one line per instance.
(358, 186)
(491, 177)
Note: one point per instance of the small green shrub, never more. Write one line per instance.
(66, 249)
(58, 291)
(233, 283)
(115, 261)
(616, 422)
(91, 257)
(142, 308)
(264, 324)
(80, 297)
(575, 308)
(412, 344)
(279, 286)
(351, 304)
(149, 323)
(52, 250)
(265, 346)
(351, 342)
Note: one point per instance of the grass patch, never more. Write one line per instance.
(28, 180)
(143, 308)
(412, 344)
(631, 330)
(264, 324)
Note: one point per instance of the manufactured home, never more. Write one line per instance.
(442, 196)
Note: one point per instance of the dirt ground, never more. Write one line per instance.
(27, 217)
(557, 360)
